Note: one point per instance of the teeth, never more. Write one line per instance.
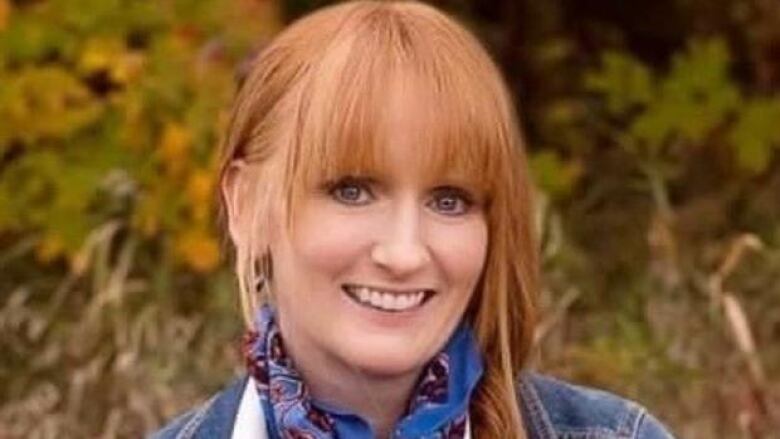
(386, 301)
(401, 302)
(363, 294)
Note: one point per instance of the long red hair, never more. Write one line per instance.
(311, 107)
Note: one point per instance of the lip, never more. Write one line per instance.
(396, 291)
(384, 317)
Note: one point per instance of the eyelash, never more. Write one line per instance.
(363, 186)
(460, 196)
(349, 182)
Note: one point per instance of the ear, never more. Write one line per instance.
(239, 199)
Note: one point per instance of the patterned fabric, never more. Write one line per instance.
(438, 408)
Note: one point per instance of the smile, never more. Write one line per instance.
(387, 300)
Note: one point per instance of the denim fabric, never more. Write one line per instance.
(556, 409)
(212, 419)
(552, 409)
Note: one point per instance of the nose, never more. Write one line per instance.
(401, 249)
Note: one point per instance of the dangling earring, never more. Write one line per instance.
(263, 271)
(260, 282)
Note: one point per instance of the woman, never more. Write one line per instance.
(378, 199)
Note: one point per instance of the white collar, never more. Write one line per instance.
(250, 420)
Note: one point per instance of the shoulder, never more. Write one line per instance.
(556, 409)
(213, 418)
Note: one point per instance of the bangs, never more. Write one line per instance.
(388, 84)
(337, 94)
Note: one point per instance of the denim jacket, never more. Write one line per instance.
(552, 409)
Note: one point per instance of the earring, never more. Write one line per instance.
(263, 271)
(260, 283)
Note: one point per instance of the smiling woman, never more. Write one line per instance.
(377, 195)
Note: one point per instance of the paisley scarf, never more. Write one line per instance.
(438, 408)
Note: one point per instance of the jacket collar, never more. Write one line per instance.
(537, 422)
(216, 418)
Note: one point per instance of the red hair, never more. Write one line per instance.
(311, 107)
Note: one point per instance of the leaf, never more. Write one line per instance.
(625, 83)
(102, 17)
(552, 174)
(30, 38)
(756, 133)
(54, 190)
(169, 66)
(700, 88)
(100, 53)
(103, 54)
(45, 103)
(695, 98)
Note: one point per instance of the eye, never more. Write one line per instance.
(451, 201)
(351, 190)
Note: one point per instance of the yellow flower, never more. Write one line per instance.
(200, 194)
(112, 56)
(127, 67)
(49, 248)
(5, 13)
(100, 54)
(174, 145)
(198, 249)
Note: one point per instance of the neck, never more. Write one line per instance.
(380, 400)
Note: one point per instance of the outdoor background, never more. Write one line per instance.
(654, 133)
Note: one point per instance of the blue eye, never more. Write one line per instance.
(351, 191)
(451, 201)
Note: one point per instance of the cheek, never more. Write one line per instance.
(461, 251)
(329, 243)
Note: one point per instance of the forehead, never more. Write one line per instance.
(387, 90)
(403, 134)
(400, 117)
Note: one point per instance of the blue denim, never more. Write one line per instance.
(552, 409)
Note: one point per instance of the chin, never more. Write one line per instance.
(387, 356)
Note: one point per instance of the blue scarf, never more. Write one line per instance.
(438, 409)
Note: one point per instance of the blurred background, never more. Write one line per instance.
(654, 133)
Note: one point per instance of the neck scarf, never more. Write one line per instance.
(438, 408)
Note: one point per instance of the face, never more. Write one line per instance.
(378, 269)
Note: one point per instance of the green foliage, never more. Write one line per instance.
(47, 103)
(756, 133)
(554, 176)
(110, 116)
(625, 83)
(694, 99)
(95, 89)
